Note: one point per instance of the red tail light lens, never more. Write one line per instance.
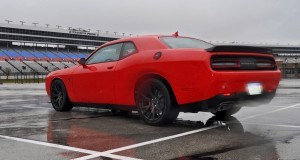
(265, 64)
(225, 64)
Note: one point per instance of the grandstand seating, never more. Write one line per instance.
(37, 67)
(12, 54)
(38, 55)
(62, 56)
(48, 65)
(69, 64)
(82, 55)
(26, 55)
(6, 66)
(16, 60)
(3, 55)
(71, 55)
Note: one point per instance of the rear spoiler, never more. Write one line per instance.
(247, 49)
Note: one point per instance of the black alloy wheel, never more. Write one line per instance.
(59, 97)
(155, 103)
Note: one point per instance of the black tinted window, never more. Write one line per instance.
(106, 54)
(181, 42)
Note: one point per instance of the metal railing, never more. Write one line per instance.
(290, 71)
(22, 78)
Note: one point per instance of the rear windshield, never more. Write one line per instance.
(182, 42)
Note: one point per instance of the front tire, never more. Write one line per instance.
(59, 97)
(155, 103)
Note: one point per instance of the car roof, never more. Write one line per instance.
(145, 42)
(142, 37)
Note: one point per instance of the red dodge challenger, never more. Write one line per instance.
(160, 76)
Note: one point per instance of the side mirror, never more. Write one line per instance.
(82, 61)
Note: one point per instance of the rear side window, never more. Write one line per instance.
(182, 42)
(129, 49)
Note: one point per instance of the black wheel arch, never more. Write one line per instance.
(158, 77)
(54, 79)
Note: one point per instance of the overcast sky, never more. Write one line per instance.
(255, 21)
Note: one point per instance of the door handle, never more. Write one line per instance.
(110, 67)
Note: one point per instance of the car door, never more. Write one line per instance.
(94, 81)
(125, 72)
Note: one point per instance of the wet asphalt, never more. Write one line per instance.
(269, 131)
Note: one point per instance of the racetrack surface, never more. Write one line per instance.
(31, 129)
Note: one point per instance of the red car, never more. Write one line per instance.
(161, 76)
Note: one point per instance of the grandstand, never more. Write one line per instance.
(288, 60)
(33, 50)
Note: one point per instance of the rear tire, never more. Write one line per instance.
(155, 103)
(231, 111)
(59, 97)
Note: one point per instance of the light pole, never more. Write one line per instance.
(98, 32)
(47, 25)
(58, 26)
(35, 24)
(22, 22)
(8, 21)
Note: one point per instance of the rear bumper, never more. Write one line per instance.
(206, 86)
(213, 104)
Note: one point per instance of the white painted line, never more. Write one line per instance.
(14, 100)
(67, 148)
(31, 107)
(105, 155)
(273, 111)
(19, 127)
(160, 139)
(146, 143)
(87, 157)
(275, 125)
(49, 145)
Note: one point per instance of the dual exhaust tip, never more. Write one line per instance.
(226, 105)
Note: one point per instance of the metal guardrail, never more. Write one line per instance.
(21, 78)
(287, 73)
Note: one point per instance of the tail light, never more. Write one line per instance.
(225, 64)
(242, 63)
(265, 64)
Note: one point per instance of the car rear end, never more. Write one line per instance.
(230, 74)
(241, 74)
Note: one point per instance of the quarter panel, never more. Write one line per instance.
(183, 69)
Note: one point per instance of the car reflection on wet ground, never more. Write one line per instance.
(31, 129)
